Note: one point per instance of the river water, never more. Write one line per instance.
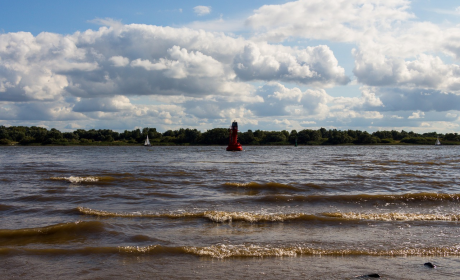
(320, 212)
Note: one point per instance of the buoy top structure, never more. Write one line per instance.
(233, 144)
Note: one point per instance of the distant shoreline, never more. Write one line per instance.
(210, 145)
(39, 136)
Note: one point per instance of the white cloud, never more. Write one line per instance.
(284, 121)
(307, 122)
(406, 69)
(119, 61)
(114, 104)
(343, 21)
(202, 10)
(394, 49)
(425, 71)
(372, 115)
(313, 65)
(92, 75)
(417, 115)
(148, 60)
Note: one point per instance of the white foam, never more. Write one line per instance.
(75, 179)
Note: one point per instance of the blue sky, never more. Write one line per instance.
(271, 65)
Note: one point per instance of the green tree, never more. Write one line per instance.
(216, 136)
(4, 141)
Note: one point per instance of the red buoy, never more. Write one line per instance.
(233, 144)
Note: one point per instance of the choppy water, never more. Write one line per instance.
(200, 212)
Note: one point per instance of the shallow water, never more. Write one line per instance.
(332, 212)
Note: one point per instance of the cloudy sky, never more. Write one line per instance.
(271, 65)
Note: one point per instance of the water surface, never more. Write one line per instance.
(333, 212)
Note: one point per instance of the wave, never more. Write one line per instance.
(254, 217)
(268, 186)
(228, 251)
(101, 180)
(101, 213)
(215, 216)
(58, 233)
(394, 216)
(222, 216)
(76, 179)
(373, 198)
(222, 251)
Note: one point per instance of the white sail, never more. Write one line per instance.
(147, 142)
(437, 141)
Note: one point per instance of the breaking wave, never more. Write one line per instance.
(101, 213)
(254, 217)
(222, 251)
(227, 251)
(76, 180)
(222, 216)
(215, 216)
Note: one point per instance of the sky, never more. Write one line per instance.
(270, 65)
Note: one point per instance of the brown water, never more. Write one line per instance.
(201, 212)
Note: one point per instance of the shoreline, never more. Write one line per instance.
(201, 145)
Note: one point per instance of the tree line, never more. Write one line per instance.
(22, 135)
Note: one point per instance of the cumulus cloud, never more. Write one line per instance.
(343, 21)
(406, 69)
(184, 64)
(202, 10)
(119, 61)
(33, 68)
(393, 49)
(367, 101)
(315, 104)
(93, 74)
(417, 115)
(114, 104)
(313, 65)
(425, 71)
(282, 101)
(151, 60)
(284, 122)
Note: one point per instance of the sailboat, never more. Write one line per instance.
(147, 142)
(437, 141)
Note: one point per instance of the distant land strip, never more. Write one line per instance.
(21, 135)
